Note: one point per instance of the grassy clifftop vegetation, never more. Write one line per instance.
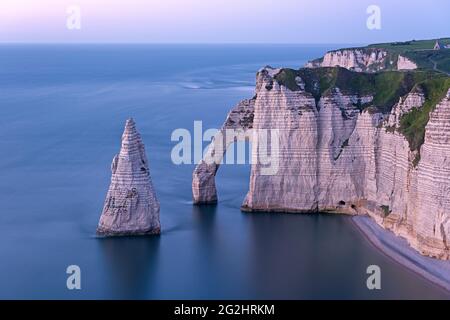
(419, 51)
(432, 78)
(412, 45)
(386, 88)
(412, 124)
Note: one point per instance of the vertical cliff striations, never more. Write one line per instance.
(353, 143)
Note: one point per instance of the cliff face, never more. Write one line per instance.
(348, 150)
(203, 183)
(131, 206)
(363, 60)
(403, 63)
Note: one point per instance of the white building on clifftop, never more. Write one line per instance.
(439, 45)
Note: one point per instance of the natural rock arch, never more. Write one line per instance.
(240, 122)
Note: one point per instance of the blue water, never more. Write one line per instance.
(62, 112)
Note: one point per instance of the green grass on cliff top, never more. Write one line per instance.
(412, 124)
(419, 51)
(386, 87)
(412, 45)
(426, 59)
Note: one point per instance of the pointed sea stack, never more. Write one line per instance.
(131, 206)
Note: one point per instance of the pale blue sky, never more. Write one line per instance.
(223, 21)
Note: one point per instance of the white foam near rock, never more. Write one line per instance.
(131, 206)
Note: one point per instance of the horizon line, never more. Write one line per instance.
(177, 43)
(356, 44)
(212, 43)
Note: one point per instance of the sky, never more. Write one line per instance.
(221, 21)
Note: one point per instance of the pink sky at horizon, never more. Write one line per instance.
(220, 21)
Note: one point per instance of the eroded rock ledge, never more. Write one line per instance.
(352, 143)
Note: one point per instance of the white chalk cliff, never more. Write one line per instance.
(363, 60)
(131, 206)
(203, 183)
(404, 63)
(336, 156)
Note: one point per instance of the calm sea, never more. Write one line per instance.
(62, 112)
